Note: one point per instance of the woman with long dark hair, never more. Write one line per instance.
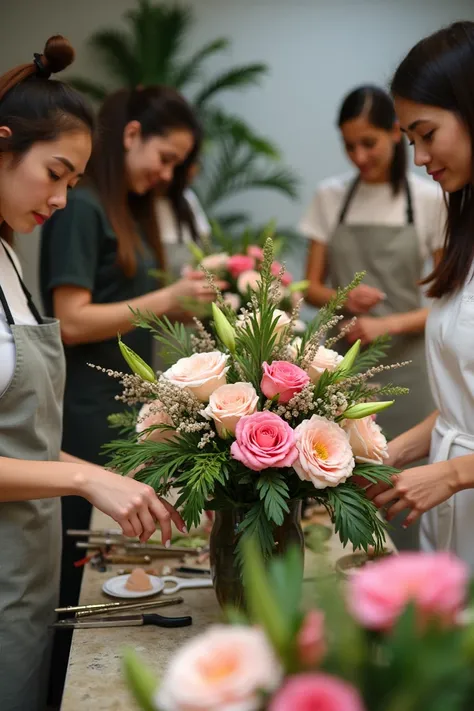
(433, 89)
(97, 261)
(45, 143)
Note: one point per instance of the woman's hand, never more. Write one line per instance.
(363, 298)
(418, 490)
(195, 286)
(132, 504)
(367, 329)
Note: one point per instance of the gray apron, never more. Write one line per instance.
(391, 258)
(30, 531)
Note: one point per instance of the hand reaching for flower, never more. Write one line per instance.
(363, 298)
(418, 489)
(366, 329)
(133, 505)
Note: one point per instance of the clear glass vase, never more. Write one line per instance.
(225, 572)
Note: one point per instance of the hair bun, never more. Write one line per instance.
(58, 54)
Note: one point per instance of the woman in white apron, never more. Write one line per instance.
(435, 104)
(387, 223)
(45, 142)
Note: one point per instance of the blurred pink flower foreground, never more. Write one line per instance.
(316, 692)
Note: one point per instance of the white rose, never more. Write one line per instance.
(228, 404)
(153, 413)
(201, 373)
(283, 321)
(367, 441)
(215, 262)
(325, 359)
(223, 669)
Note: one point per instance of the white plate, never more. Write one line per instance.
(116, 587)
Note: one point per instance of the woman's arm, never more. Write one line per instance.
(414, 444)
(317, 293)
(133, 505)
(84, 322)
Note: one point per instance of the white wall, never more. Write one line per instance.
(316, 50)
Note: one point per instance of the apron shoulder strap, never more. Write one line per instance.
(29, 298)
(348, 199)
(350, 194)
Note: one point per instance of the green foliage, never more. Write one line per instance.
(373, 353)
(355, 518)
(197, 483)
(140, 680)
(274, 494)
(174, 338)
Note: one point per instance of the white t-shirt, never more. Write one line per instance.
(169, 227)
(21, 313)
(375, 204)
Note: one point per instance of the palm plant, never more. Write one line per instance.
(151, 51)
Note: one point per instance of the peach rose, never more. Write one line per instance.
(248, 280)
(435, 582)
(324, 453)
(153, 413)
(369, 445)
(228, 404)
(223, 669)
(201, 373)
(215, 262)
(232, 300)
(325, 359)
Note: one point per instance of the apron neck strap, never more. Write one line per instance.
(29, 298)
(352, 189)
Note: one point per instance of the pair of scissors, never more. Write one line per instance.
(180, 583)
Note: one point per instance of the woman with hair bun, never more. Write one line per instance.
(45, 143)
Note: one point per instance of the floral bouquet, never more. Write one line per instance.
(394, 639)
(248, 418)
(239, 263)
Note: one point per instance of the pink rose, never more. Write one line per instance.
(324, 453)
(215, 262)
(201, 373)
(228, 404)
(316, 692)
(286, 279)
(325, 359)
(369, 445)
(255, 252)
(153, 413)
(264, 441)
(222, 669)
(248, 280)
(239, 263)
(283, 379)
(435, 582)
(310, 642)
(276, 268)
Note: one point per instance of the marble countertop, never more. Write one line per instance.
(94, 679)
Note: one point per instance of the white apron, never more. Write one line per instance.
(450, 355)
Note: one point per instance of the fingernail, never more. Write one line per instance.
(184, 529)
(168, 543)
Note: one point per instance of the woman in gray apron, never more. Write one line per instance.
(386, 223)
(47, 125)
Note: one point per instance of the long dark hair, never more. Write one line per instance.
(159, 110)
(377, 106)
(439, 71)
(38, 109)
(182, 210)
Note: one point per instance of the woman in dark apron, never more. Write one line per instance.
(387, 223)
(97, 261)
(45, 142)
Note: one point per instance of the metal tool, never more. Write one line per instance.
(130, 606)
(116, 606)
(125, 621)
(150, 548)
(115, 532)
